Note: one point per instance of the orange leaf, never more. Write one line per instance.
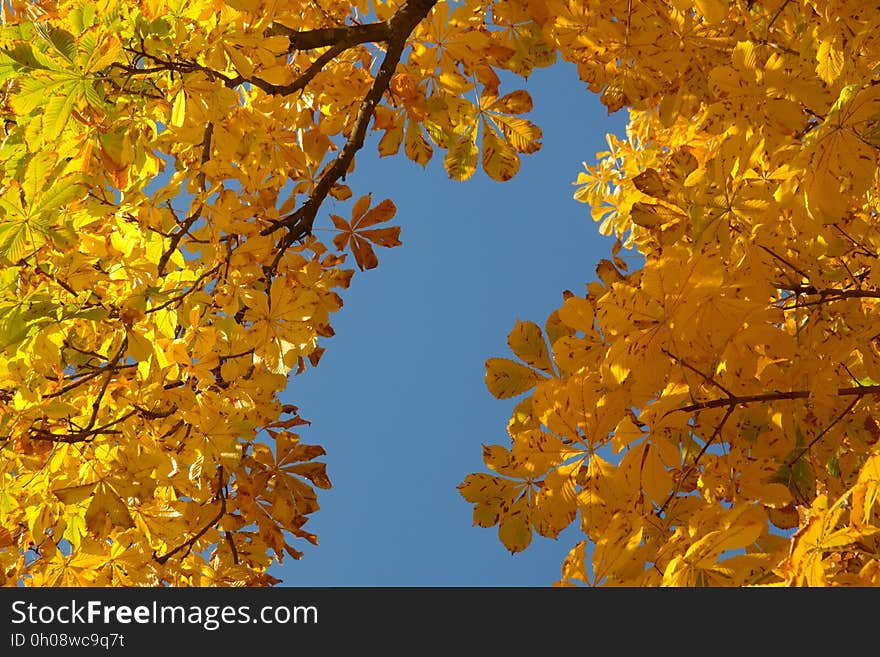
(341, 240)
(359, 240)
(360, 208)
(364, 255)
(382, 212)
(386, 237)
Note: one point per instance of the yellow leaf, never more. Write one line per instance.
(500, 161)
(844, 537)
(506, 378)
(555, 504)
(491, 496)
(377, 215)
(516, 102)
(178, 109)
(389, 144)
(416, 146)
(742, 527)
(656, 480)
(461, 158)
(515, 530)
(745, 56)
(713, 11)
(527, 341)
(242, 64)
(650, 182)
(866, 492)
(616, 553)
(107, 511)
(625, 433)
(74, 494)
(574, 566)
(280, 75)
(522, 135)
(830, 61)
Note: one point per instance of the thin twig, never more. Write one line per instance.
(777, 14)
(187, 545)
(207, 141)
(784, 261)
(860, 391)
(693, 369)
(693, 465)
(822, 433)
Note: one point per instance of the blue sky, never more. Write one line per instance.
(398, 400)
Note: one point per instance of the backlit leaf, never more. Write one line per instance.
(506, 378)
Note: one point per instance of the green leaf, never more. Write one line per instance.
(58, 195)
(10, 204)
(8, 67)
(13, 327)
(61, 41)
(33, 92)
(93, 97)
(21, 57)
(58, 110)
(16, 240)
(37, 173)
(82, 17)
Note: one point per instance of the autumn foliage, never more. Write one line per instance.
(706, 419)
(711, 419)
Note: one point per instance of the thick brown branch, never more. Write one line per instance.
(308, 75)
(232, 549)
(343, 39)
(350, 35)
(400, 26)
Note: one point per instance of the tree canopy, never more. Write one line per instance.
(706, 419)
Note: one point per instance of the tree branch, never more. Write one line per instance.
(706, 377)
(187, 224)
(187, 545)
(828, 295)
(860, 391)
(351, 35)
(822, 433)
(687, 473)
(399, 27)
